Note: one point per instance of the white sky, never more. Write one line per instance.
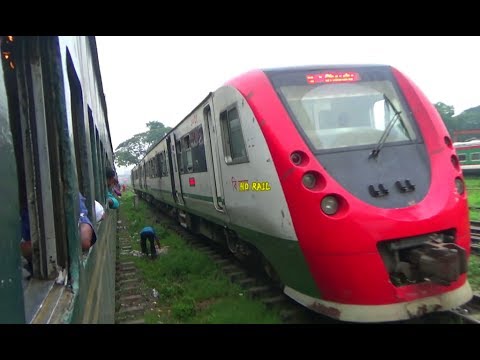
(162, 78)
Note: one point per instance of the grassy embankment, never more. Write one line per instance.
(191, 288)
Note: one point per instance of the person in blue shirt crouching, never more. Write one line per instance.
(149, 233)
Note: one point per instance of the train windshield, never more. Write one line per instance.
(347, 114)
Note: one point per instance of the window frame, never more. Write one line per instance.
(225, 122)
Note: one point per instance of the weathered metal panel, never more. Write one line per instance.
(95, 302)
(11, 294)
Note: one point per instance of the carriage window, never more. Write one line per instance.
(160, 160)
(475, 156)
(79, 135)
(462, 157)
(164, 164)
(188, 153)
(94, 156)
(233, 144)
(179, 157)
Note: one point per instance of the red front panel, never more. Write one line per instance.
(342, 251)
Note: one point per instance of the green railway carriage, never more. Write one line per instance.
(54, 142)
(468, 153)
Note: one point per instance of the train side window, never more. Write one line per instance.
(79, 136)
(94, 155)
(198, 150)
(179, 156)
(188, 153)
(164, 164)
(101, 165)
(462, 157)
(475, 156)
(233, 143)
(159, 160)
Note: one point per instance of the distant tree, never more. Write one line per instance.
(446, 112)
(131, 151)
(470, 118)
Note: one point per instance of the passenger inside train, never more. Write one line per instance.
(88, 237)
(113, 203)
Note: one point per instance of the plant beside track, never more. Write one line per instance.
(184, 286)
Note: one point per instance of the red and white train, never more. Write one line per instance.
(343, 180)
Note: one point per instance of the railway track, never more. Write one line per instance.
(292, 312)
(470, 312)
(257, 285)
(129, 299)
(475, 236)
(254, 282)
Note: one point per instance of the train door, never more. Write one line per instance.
(170, 149)
(212, 161)
(176, 158)
(144, 173)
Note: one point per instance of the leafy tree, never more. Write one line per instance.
(470, 118)
(446, 112)
(131, 151)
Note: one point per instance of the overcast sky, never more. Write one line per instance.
(162, 78)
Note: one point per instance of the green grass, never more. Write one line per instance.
(224, 310)
(473, 191)
(474, 272)
(191, 287)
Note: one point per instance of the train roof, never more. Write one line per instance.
(326, 67)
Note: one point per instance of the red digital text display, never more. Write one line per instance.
(333, 77)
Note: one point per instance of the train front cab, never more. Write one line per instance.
(374, 189)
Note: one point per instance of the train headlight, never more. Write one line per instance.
(455, 162)
(459, 185)
(309, 180)
(329, 205)
(296, 158)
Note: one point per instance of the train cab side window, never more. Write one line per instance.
(233, 143)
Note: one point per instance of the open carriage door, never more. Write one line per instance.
(212, 160)
(174, 154)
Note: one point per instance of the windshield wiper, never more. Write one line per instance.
(387, 130)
